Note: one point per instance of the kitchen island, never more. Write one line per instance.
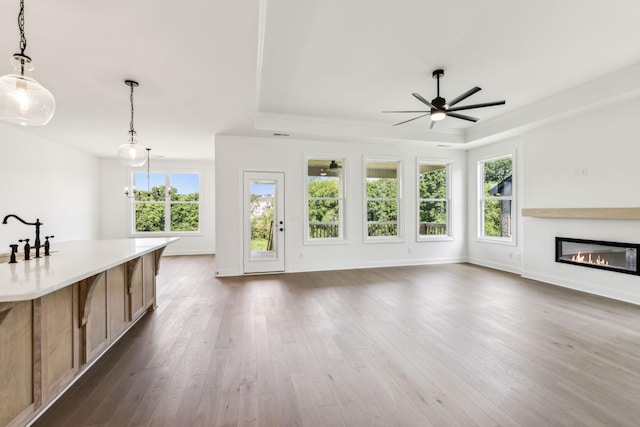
(59, 313)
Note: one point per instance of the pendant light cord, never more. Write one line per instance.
(23, 38)
(132, 131)
(148, 173)
(21, 57)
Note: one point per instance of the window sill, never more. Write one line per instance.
(497, 240)
(325, 242)
(434, 239)
(383, 240)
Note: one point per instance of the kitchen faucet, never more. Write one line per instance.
(36, 245)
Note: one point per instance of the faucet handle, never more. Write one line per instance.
(47, 245)
(14, 251)
(27, 249)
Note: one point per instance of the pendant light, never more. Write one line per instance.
(131, 153)
(132, 194)
(23, 100)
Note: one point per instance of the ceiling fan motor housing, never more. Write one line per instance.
(438, 102)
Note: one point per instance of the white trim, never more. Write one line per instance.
(399, 238)
(582, 287)
(495, 265)
(448, 164)
(480, 237)
(342, 200)
(377, 264)
(167, 172)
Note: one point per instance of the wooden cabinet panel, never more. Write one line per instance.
(137, 289)
(117, 294)
(97, 327)
(16, 366)
(149, 275)
(59, 339)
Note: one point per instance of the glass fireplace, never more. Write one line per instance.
(613, 256)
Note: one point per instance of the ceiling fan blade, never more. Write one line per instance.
(433, 124)
(424, 101)
(469, 107)
(422, 111)
(463, 96)
(415, 118)
(460, 116)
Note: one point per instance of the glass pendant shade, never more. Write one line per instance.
(132, 154)
(23, 100)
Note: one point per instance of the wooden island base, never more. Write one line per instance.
(46, 343)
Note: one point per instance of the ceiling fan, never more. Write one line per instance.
(333, 169)
(439, 108)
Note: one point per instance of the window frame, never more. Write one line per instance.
(342, 201)
(448, 164)
(399, 199)
(167, 204)
(510, 240)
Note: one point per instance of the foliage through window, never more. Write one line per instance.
(433, 204)
(325, 199)
(262, 205)
(496, 200)
(166, 202)
(382, 199)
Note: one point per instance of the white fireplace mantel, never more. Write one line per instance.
(583, 213)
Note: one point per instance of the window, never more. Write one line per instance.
(382, 199)
(325, 200)
(496, 198)
(433, 200)
(170, 202)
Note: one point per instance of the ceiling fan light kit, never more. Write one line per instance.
(439, 108)
(23, 100)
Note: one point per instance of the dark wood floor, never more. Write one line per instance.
(438, 346)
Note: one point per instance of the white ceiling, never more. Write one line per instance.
(315, 68)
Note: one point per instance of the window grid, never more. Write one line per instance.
(161, 209)
(382, 200)
(433, 200)
(324, 200)
(495, 204)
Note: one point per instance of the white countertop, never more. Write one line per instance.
(69, 263)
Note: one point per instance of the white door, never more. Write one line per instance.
(263, 222)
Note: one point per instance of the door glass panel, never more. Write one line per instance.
(263, 228)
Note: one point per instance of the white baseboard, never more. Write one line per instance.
(496, 266)
(581, 286)
(354, 266)
(376, 264)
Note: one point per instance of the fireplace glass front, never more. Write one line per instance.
(614, 256)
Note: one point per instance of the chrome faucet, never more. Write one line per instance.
(36, 245)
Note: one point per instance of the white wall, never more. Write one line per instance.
(46, 180)
(503, 256)
(237, 154)
(587, 160)
(116, 219)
